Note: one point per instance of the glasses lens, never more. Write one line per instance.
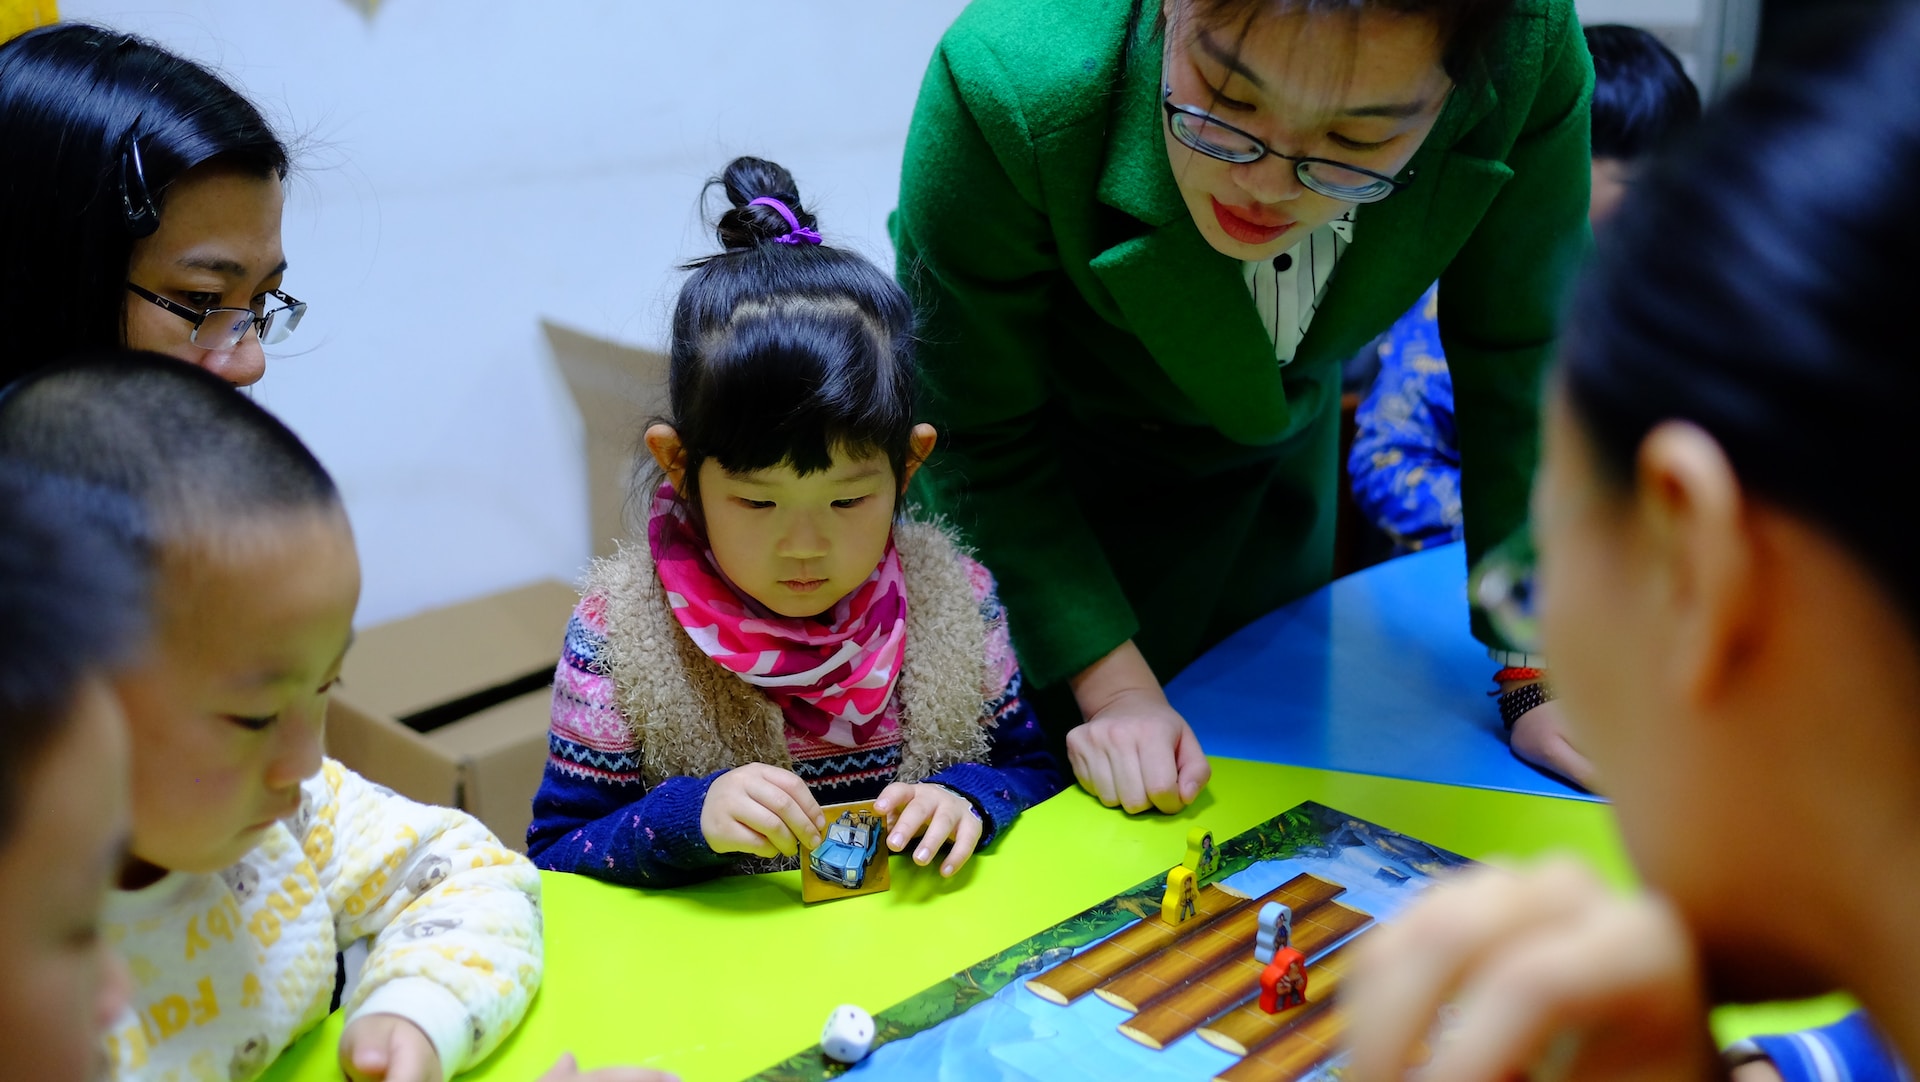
(1214, 139)
(222, 328)
(1505, 584)
(282, 322)
(1344, 183)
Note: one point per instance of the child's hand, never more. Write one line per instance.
(933, 813)
(389, 1048)
(1552, 977)
(762, 810)
(568, 1070)
(1134, 750)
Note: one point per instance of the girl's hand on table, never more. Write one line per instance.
(1546, 975)
(760, 810)
(1134, 750)
(568, 1070)
(934, 813)
(388, 1048)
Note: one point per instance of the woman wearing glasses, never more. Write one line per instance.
(140, 201)
(1143, 239)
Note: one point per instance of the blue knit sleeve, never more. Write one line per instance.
(1405, 462)
(654, 841)
(1850, 1050)
(593, 813)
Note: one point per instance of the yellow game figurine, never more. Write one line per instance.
(1182, 897)
(1203, 859)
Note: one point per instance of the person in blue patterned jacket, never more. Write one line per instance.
(1405, 462)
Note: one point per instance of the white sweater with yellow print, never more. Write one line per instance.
(229, 969)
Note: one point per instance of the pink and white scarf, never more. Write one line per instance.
(832, 676)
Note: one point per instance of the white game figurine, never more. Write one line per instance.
(1276, 931)
(848, 1034)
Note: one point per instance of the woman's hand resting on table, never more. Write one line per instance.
(1540, 737)
(1134, 750)
(1544, 975)
(568, 1070)
(933, 813)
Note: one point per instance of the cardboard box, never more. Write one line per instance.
(451, 706)
(617, 389)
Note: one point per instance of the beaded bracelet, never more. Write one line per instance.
(1517, 672)
(1522, 699)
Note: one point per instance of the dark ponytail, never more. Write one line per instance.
(744, 226)
(785, 350)
(1760, 285)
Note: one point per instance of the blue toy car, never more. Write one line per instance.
(853, 840)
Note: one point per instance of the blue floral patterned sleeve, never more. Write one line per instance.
(1405, 461)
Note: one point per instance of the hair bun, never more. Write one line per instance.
(744, 227)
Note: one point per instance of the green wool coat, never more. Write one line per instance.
(1116, 438)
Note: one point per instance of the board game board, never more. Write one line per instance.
(1116, 992)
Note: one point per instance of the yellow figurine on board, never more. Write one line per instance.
(1182, 897)
(1203, 857)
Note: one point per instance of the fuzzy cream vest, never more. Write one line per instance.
(692, 717)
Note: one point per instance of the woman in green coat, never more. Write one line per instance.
(1143, 241)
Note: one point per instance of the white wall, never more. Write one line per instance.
(474, 166)
(1714, 38)
(1639, 12)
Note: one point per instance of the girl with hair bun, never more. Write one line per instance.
(785, 635)
(140, 204)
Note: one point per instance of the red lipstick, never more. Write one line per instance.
(1250, 225)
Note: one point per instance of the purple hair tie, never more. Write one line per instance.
(798, 234)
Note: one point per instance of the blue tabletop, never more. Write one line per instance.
(1375, 674)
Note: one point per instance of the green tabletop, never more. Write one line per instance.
(720, 980)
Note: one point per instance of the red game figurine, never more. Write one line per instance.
(1283, 983)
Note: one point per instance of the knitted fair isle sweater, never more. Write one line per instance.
(594, 814)
(230, 969)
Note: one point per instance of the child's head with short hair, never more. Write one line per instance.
(72, 606)
(1641, 98)
(792, 390)
(254, 590)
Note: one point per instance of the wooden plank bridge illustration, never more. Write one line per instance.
(1201, 976)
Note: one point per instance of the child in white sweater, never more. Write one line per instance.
(253, 859)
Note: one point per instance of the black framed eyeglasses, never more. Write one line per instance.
(1202, 131)
(225, 328)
